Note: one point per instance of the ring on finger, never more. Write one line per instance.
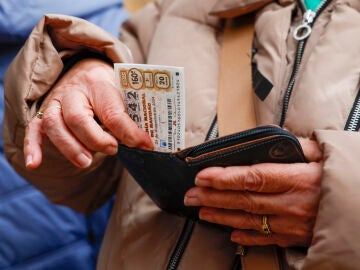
(40, 113)
(265, 226)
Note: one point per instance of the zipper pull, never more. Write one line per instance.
(302, 31)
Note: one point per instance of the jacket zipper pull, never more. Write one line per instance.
(302, 31)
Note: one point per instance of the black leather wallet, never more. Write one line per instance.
(166, 177)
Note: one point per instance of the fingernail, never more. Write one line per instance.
(29, 160)
(147, 147)
(83, 160)
(235, 237)
(202, 182)
(111, 150)
(204, 215)
(191, 201)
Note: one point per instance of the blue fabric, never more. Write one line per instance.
(17, 17)
(34, 233)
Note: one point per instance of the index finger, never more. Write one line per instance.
(264, 178)
(110, 109)
(32, 144)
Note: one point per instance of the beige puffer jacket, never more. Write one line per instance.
(183, 33)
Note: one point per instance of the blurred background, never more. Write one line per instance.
(34, 233)
(134, 5)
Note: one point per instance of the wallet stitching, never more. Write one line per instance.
(242, 135)
(199, 162)
(233, 147)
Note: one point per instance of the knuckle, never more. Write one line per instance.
(30, 126)
(130, 137)
(27, 141)
(111, 116)
(50, 121)
(75, 120)
(305, 209)
(253, 179)
(95, 143)
(97, 74)
(245, 202)
(227, 180)
(299, 211)
(248, 203)
(90, 77)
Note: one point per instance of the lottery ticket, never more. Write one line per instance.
(155, 99)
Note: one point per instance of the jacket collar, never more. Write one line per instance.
(234, 8)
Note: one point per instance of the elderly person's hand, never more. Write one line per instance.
(86, 92)
(285, 195)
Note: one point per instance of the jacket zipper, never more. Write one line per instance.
(189, 223)
(181, 244)
(301, 33)
(353, 122)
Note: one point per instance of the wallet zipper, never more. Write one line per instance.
(309, 18)
(214, 145)
(189, 223)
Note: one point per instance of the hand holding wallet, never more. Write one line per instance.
(166, 177)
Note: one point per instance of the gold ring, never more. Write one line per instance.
(40, 113)
(265, 226)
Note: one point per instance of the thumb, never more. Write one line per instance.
(311, 150)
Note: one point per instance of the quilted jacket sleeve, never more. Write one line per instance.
(31, 75)
(137, 32)
(338, 214)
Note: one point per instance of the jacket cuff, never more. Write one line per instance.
(57, 39)
(336, 231)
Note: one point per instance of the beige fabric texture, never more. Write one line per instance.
(188, 33)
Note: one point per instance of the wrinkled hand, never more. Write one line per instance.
(288, 194)
(85, 91)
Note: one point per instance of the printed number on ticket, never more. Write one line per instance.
(155, 99)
